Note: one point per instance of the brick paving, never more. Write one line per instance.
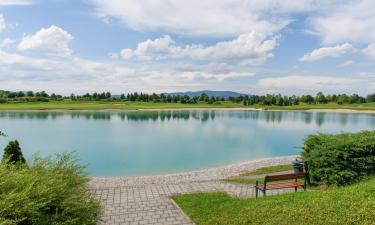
(143, 202)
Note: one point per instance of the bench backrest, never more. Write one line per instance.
(284, 177)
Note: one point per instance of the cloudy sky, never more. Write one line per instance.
(251, 46)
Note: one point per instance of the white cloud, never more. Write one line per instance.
(72, 74)
(2, 22)
(247, 49)
(209, 17)
(370, 50)
(202, 75)
(7, 42)
(126, 53)
(346, 64)
(351, 21)
(335, 21)
(296, 83)
(15, 2)
(325, 52)
(159, 48)
(52, 41)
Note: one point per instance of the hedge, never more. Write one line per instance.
(340, 159)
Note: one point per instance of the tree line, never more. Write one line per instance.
(268, 100)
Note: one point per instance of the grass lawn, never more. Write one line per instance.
(268, 169)
(362, 106)
(346, 205)
(100, 105)
(260, 171)
(243, 180)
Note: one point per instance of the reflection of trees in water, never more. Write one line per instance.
(203, 115)
(91, 115)
(274, 116)
(168, 115)
(371, 120)
(31, 115)
(320, 118)
(343, 119)
(307, 117)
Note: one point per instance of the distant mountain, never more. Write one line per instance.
(224, 94)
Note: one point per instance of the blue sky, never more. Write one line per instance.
(251, 46)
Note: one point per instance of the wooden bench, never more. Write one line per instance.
(269, 185)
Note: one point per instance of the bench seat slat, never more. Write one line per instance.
(281, 185)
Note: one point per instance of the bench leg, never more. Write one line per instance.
(295, 189)
(256, 192)
(264, 192)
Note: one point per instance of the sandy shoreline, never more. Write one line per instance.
(347, 111)
(202, 175)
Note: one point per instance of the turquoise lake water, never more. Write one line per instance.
(145, 143)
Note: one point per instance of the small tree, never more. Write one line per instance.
(13, 153)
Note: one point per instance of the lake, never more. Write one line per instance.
(147, 143)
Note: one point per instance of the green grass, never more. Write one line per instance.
(268, 169)
(361, 106)
(259, 171)
(243, 180)
(337, 206)
(101, 105)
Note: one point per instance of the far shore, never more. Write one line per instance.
(348, 111)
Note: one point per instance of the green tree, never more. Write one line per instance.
(13, 153)
(370, 98)
(30, 94)
(320, 98)
(204, 97)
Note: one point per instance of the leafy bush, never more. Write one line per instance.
(340, 159)
(49, 191)
(13, 153)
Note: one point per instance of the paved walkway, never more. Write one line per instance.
(150, 204)
(147, 201)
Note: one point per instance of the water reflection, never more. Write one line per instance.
(273, 117)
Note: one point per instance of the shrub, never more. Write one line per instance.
(49, 191)
(340, 159)
(13, 153)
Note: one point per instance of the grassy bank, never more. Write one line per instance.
(121, 105)
(354, 106)
(347, 205)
